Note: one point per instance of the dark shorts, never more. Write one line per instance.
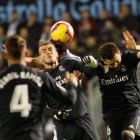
(81, 128)
(126, 119)
(32, 133)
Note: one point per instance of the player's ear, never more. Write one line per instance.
(40, 58)
(119, 52)
(56, 54)
(62, 55)
(5, 54)
(26, 53)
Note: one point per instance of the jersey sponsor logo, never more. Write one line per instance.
(114, 79)
(106, 68)
(123, 68)
(61, 68)
(59, 80)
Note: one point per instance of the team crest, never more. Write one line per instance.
(106, 68)
(123, 68)
(61, 68)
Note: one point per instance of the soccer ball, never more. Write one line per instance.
(62, 32)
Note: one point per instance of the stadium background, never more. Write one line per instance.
(94, 21)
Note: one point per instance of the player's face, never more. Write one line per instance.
(48, 54)
(115, 63)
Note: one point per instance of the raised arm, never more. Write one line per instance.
(91, 62)
(88, 67)
(130, 43)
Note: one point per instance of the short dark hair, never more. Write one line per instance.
(14, 46)
(60, 48)
(108, 50)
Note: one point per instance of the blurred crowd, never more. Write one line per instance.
(90, 33)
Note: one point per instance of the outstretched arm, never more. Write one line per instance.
(130, 43)
(31, 62)
(90, 61)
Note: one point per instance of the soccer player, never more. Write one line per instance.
(35, 62)
(22, 91)
(78, 125)
(119, 88)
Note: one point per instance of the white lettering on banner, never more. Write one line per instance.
(45, 8)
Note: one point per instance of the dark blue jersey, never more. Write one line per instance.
(80, 108)
(120, 88)
(22, 91)
(70, 56)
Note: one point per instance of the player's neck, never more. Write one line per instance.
(62, 56)
(13, 61)
(52, 66)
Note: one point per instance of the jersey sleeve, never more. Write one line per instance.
(88, 71)
(48, 113)
(131, 58)
(67, 96)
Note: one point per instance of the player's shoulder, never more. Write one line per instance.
(128, 52)
(71, 62)
(18, 68)
(101, 62)
(3, 72)
(72, 56)
(128, 56)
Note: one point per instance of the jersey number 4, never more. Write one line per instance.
(20, 100)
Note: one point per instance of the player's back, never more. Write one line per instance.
(20, 104)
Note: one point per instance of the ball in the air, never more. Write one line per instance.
(62, 32)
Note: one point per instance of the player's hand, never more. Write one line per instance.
(90, 61)
(33, 62)
(61, 114)
(79, 74)
(129, 41)
(71, 78)
(5, 49)
(28, 59)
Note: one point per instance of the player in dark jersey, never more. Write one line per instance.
(119, 88)
(35, 62)
(64, 54)
(22, 91)
(78, 125)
